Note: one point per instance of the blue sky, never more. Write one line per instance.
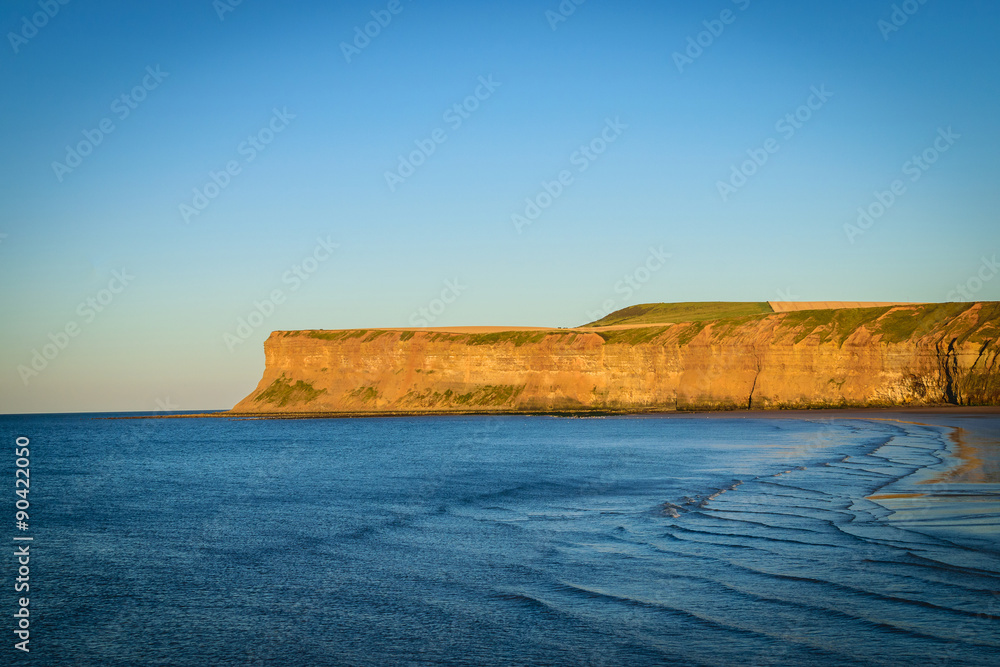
(202, 84)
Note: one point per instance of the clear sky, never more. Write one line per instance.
(520, 159)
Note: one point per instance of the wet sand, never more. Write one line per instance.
(959, 498)
(976, 440)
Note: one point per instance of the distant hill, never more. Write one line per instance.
(675, 313)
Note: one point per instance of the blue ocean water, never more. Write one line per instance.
(505, 540)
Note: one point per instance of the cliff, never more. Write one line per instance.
(928, 354)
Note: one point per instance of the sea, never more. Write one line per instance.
(868, 539)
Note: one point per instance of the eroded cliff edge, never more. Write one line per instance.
(929, 354)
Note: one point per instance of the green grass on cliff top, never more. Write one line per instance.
(894, 324)
(699, 311)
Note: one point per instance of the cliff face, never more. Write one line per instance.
(889, 356)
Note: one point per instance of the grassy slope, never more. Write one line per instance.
(663, 313)
(893, 324)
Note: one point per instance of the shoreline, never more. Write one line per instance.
(957, 498)
(938, 498)
(794, 413)
(976, 447)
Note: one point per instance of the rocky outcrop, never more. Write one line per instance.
(869, 357)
